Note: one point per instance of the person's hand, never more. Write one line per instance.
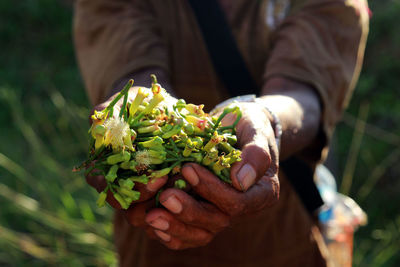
(187, 222)
(147, 191)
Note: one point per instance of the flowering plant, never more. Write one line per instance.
(148, 140)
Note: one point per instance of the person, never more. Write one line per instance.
(304, 55)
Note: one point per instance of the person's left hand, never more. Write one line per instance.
(187, 222)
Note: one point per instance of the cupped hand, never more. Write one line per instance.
(186, 222)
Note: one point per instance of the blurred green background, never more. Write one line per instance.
(48, 214)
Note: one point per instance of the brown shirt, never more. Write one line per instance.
(320, 42)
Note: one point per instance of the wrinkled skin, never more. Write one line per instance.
(184, 222)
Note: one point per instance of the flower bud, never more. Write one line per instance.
(221, 164)
(189, 128)
(132, 194)
(148, 129)
(121, 201)
(210, 157)
(101, 200)
(140, 96)
(234, 156)
(175, 130)
(153, 142)
(112, 173)
(195, 110)
(180, 184)
(158, 96)
(215, 139)
(160, 173)
(143, 179)
(232, 139)
(188, 148)
(180, 104)
(226, 147)
(198, 123)
(129, 165)
(99, 130)
(99, 117)
(126, 183)
(197, 156)
(120, 157)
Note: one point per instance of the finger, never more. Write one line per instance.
(191, 212)
(255, 136)
(155, 184)
(112, 201)
(96, 181)
(226, 198)
(149, 190)
(255, 161)
(210, 187)
(174, 233)
(164, 221)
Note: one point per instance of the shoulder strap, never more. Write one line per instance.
(221, 45)
(232, 70)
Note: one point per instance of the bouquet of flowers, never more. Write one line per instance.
(149, 139)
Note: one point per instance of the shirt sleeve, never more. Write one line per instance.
(321, 43)
(114, 38)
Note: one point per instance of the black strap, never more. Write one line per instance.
(225, 56)
(300, 176)
(232, 70)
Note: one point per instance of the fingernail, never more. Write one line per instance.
(191, 176)
(154, 184)
(246, 176)
(160, 224)
(173, 204)
(162, 235)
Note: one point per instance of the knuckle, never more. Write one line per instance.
(265, 154)
(259, 150)
(189, 217)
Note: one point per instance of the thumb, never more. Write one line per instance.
(255, 162)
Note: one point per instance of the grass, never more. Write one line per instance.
(48, 214)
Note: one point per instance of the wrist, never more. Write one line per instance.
(274, 120)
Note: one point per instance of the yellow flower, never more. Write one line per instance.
(140, 96)
(117, 133)
(199, 123)
(99, 116)
(196, 110)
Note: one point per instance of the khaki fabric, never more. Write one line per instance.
(320, 42)
(283, 235)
